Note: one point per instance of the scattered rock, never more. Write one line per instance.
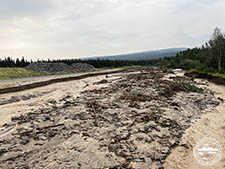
(2, 151)
(148, 160)
(18, 117)
(118, 124)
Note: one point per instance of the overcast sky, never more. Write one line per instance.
(78, 28)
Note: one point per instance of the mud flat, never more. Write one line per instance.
(121, 120)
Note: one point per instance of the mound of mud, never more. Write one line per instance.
(82, 67)
(50, 67)
(131, 120)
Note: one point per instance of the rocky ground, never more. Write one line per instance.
(128, 120)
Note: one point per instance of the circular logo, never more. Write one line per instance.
(207, 151)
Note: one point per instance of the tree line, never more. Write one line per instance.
(210, 57)
(97, 63)
(10, 62)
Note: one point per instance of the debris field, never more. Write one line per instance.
(130, 120)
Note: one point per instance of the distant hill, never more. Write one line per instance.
(147, 55)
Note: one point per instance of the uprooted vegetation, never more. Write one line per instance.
(172, 87)
(131, 122)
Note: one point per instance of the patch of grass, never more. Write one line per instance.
(191, 88)
(218, 75)
(174, 87)
(194, 71)
(135, 95)
(207, 73)
(7, 73)
(137, 92)
(165, 70)
(217, 78)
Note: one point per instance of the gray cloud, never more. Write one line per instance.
(24, 8)
(76, 28)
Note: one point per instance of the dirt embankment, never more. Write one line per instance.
(123, 120)
(35, 82)
(214, 79)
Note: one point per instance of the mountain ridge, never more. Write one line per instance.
(145, 55)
